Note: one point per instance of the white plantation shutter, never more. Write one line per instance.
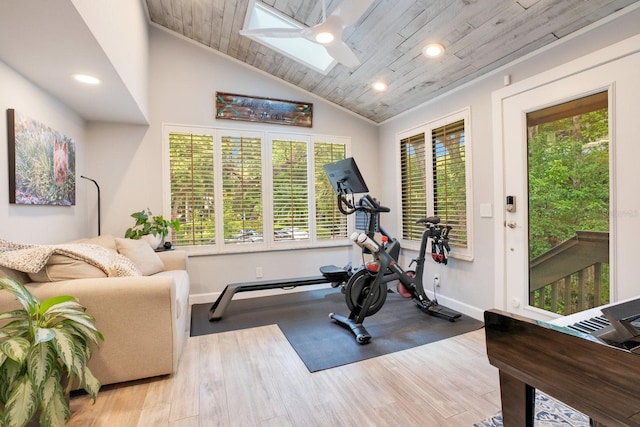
(228, 187)
(192, 187)
(290, 189)
(330, 222)
(241, 186)
(414, 181)
(435, 178)
(449, 180)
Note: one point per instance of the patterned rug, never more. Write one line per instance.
(549, 413)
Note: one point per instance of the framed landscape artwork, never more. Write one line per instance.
(232, 106)
(42, 163)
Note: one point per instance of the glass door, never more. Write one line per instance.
(557, 199)
(568, 205)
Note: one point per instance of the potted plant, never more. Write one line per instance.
(44, 349)
(148, 224)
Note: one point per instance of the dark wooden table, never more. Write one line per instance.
(601, 381)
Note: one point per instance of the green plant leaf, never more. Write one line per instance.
(60, 313)
(24, 297)
(43, 335)
(75, 317)
(55, 411)
(49, 303)
(91, 383)
(36, 345)
(9, 371)
(14, 314)
(16, 348)
(67, 307)
(21, 405)
(147, 223)
(41, 363)
(18, 328)
(65, 347)
(49, 387)
(79, 362)
(82, 329)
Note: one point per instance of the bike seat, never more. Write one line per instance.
(334, 273)
(432, 219)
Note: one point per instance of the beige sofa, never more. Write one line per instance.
(143, 318)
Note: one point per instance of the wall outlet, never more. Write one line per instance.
(436, 280)
(258, 272)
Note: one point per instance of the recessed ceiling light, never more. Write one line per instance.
(84, 78)
(325, 37)
(379, 86)
(433, 50)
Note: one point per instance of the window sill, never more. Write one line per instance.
(208, 250)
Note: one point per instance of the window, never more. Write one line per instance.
(435, 180)
(413, 167)
(449, 180)
(290, 189)
(235, 190)
(192, 187)
(330, 222)
(242, 188)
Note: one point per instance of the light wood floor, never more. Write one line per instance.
(254, 377)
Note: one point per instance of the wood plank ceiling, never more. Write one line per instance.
(479, 36)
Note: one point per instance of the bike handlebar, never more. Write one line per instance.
(374, 206)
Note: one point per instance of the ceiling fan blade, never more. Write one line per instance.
(281, 33)
(343, 54)
(351, 10)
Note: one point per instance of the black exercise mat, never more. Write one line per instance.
(303, 317)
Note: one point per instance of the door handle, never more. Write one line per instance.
(512, 224)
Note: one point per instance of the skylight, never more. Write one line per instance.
(308, 53)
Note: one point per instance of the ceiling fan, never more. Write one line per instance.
(328, 33)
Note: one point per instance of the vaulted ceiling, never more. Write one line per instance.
(479, 36)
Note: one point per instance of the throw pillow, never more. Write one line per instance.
(106, 241)
(61, 267)
(147, 261)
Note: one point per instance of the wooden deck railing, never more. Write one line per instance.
(572, 276)
(574, 292)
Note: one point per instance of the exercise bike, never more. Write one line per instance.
(366, 290)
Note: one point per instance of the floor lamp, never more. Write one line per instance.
(98, 187)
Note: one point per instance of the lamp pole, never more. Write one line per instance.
(98, 187)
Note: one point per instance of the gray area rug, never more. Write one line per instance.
(549, 413)
(303, 317)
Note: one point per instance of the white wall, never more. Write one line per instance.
(470, 286)
(31, 223)
(184, 76)
(120, 27)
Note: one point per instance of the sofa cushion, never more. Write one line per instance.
(138, 251)
(14, 274)
(61, 267)
(106, 241)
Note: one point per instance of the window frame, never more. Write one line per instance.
(269, 228)
(428, 128)
(350, 219)
(267, 137)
